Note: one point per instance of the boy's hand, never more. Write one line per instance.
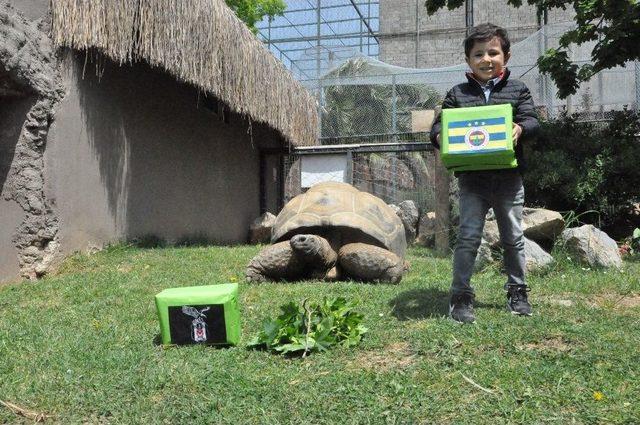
(517, 132)
(438, 138)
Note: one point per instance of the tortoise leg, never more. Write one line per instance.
(333, 274)
(275, 262)
(371, 263)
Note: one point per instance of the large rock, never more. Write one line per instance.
(421, 167)
(427, 230)
(536, 258)
(389, 172)
(362, 179)
(260, 229)
(540, 224)
(592, 246)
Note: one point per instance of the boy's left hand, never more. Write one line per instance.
(517, 132)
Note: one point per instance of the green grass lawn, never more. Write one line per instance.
(82, 346)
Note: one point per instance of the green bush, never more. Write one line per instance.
(590, 168)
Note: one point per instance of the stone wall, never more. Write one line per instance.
(29, 91)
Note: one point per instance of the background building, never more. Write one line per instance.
(410, 38)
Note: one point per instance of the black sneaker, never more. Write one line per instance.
(461, 308)
(517, 302)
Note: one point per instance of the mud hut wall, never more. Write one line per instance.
(129, 152)
(12, 116)
(31, 9)
(133, 153)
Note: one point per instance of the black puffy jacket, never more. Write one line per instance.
(514, 92)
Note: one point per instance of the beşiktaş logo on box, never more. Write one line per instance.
(476, 137)
(198, 324)
(189, 324)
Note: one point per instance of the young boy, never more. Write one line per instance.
(487, 51)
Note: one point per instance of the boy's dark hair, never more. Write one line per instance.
(485, 32)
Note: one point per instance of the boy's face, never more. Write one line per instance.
(487, 60)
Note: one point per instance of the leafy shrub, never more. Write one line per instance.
(635, 240)
(586, 167)
(317, 327)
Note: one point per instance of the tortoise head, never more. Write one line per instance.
(315, 249)
(306, 245)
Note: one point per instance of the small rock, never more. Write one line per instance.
(408, 213)
(260, 229)
(427, 230)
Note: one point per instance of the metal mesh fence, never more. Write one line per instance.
(362, 97)
(392, 176)
(397, 177)
(312, 35)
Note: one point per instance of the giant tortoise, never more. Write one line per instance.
(333, 231)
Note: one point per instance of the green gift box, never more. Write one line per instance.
(478, 138)
(199, 315)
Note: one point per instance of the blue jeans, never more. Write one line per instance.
(480, 190)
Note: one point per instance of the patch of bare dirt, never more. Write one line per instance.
(125, 268)
(563, 302)
(555, 343)
(615, 301)
(630, 301)
(392, 357)
(562, 299)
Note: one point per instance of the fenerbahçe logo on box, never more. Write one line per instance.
(476, 137)
(486, 135)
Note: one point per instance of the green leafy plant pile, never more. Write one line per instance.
(585, 166)
(316, 327)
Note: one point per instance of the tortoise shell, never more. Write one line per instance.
(340, 206)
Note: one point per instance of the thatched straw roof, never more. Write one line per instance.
(201, 42)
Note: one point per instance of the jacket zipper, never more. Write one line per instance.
(486, 99)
